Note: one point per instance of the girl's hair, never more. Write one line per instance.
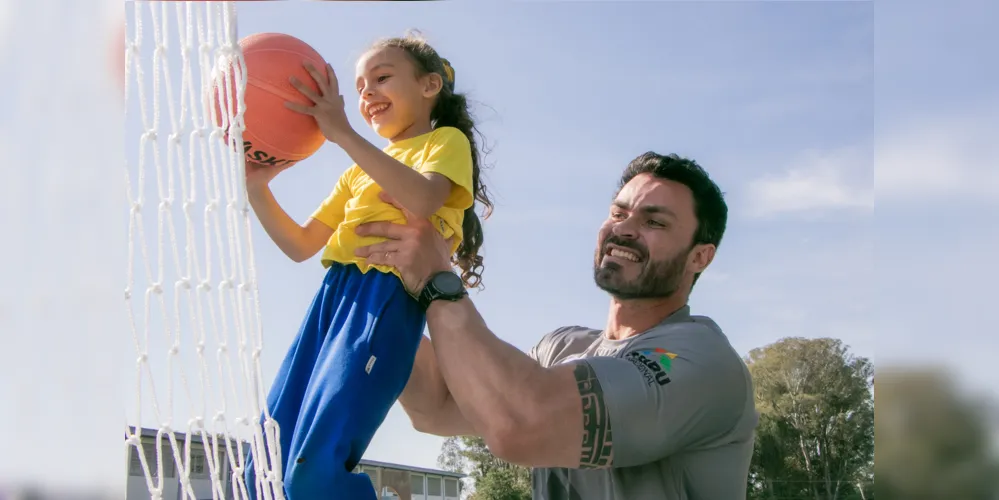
(451, 110)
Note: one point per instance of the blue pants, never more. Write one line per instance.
(350, 362)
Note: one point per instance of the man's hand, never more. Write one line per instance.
(415, 248)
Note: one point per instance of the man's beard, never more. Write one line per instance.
(657, 280)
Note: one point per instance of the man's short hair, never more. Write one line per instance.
(709, 202)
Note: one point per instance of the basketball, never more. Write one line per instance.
(275, 135)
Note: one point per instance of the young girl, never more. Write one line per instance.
(355, 350)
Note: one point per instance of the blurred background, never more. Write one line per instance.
(905, 308)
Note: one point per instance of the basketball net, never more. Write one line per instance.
(191, 294)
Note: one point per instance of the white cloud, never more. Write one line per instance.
(818, 181)
(943, 156)
(940, 156)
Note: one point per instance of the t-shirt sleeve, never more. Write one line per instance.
(334, 208)
(450, 154)
(660, 402)
(544, 352)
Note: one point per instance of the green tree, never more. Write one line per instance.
(933, 442)
(815, 439)
(503, 484)
(492, 478)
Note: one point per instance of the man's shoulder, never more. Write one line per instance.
(561, 342)
(696, 332)
(696, 339)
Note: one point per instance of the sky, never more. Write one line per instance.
(789, 106)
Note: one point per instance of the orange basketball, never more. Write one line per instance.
(274, 134)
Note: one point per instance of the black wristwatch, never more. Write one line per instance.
(445, 285)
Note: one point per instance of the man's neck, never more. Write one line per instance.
(628, 318)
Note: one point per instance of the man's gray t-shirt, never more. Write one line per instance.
(681, 407)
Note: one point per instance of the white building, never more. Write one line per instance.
(393, 481)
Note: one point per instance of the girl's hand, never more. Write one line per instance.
(260, 176)
(328, 105)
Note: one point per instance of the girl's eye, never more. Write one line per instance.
(381, 79)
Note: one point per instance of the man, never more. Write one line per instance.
(656, 405)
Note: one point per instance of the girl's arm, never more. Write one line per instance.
(421, 194)
(298, 242)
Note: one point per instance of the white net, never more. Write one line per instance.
(191, 291)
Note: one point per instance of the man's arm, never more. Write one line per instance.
(598, 412)
(529, 415)
(428, 402)
(592, 413)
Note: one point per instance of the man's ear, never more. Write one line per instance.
(701, 257)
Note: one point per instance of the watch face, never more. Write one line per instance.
(448, 283)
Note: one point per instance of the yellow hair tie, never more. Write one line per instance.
(449, 71)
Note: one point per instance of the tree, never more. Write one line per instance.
(503, 484)
(493, 479)
(932, 441)
(815, 439)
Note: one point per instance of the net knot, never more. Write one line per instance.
(174, 349)
(270, 425)
(227, 52)
(149, 135)
(224, 349)
(128, 293)
(256, 354)
(142, 359)
(174, 138)
(184, 283)
(165, 204)
(156, 288)
(137, 207)
(204, 286)
(225, 284)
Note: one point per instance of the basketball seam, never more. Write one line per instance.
(269, 86)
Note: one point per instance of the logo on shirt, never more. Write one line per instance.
(655, 364)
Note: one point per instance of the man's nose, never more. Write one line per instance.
(627, 229)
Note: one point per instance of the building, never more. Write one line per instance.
(392, 481)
